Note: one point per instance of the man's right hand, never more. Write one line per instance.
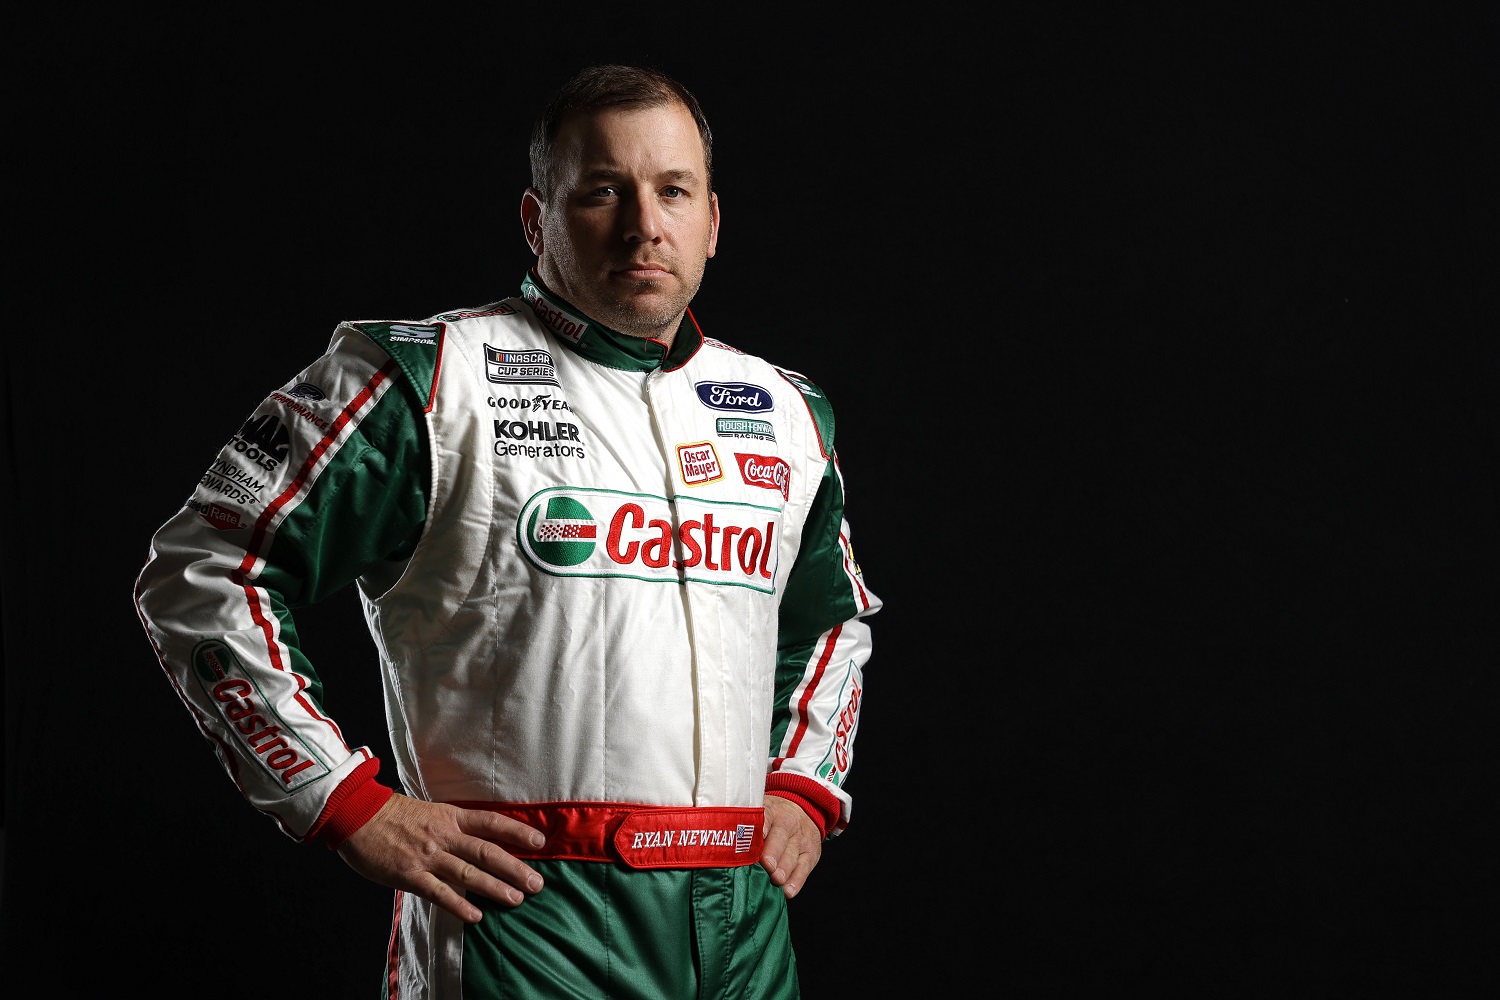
(439, 851)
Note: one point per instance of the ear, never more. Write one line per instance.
(532, 208)
(713, 226)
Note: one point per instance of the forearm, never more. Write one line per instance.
(281, 520)
(824, 646)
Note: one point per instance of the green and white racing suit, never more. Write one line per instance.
(612, 594)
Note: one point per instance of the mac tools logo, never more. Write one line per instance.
(263, 441)
(567, 531)
(737, 397)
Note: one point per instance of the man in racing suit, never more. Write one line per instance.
(619, 622)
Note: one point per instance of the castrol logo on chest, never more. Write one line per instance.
(575, 531)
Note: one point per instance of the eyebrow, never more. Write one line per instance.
(609, 173)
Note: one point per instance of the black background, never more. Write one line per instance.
(1164, 353)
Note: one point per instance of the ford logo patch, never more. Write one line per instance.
(738, 397)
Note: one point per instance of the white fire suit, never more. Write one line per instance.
(612, 594)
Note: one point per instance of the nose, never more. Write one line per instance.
(643, 219)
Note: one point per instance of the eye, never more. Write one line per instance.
(607, 191)
(673, 191)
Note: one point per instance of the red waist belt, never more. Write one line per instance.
(640, 836)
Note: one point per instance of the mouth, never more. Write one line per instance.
(645, 271)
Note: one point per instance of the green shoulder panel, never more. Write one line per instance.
(416, 347)
(817, 405)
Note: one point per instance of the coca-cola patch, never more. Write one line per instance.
(766, 471)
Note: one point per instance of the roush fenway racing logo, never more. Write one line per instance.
(766, 471)
(567, 531)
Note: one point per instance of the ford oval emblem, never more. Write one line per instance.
(737, 397)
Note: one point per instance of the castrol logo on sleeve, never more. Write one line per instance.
(572, 531)
(251, 716)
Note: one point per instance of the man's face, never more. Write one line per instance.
(631, 223)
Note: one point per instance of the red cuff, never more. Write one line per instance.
(807, 807)
(350, 807)
(813, 796)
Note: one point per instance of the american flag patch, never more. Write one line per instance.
(744, 833)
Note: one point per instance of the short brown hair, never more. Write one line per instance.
(609, 86)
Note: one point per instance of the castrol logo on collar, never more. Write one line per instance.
(561, 322)
(574, 531)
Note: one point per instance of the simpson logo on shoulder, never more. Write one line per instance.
(406, 333)
(801, 382)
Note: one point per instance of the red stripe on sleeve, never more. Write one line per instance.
(807, 694)
(258, 614)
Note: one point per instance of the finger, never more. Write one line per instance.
(797, 877)
(779, 866)
(500, 829)
(769, 860)
(491, 873)
(791, 881)
(443, 896)
(490, 859)
(773, 847)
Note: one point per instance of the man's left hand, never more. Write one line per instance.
(793, 845)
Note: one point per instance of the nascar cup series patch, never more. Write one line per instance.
(510, 366)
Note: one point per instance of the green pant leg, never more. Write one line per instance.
(601, 929)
